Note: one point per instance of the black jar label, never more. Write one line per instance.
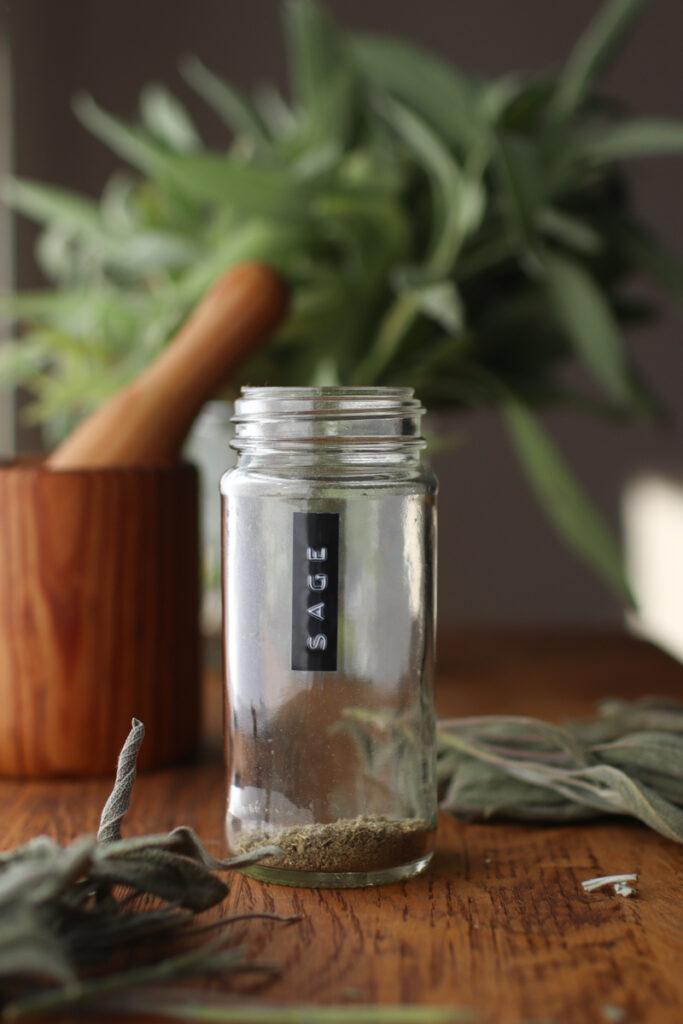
(315, 591)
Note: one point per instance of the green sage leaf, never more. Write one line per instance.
(632, 139)
(585, 317)
(236, 111)
(593, 52)
(322, 73)
(49, 204)
(458, 199)
(521, 187)
(567, 507)
(167, 119)
(133, 145)
(431, 88)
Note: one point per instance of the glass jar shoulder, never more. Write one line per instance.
(262, 482)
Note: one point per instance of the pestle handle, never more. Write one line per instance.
(146, 423)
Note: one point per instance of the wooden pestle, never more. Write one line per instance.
(146, 423)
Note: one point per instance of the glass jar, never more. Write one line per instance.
(328, 587)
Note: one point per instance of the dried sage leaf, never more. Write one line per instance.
(165, 875)
(66, 912)
(627, 761)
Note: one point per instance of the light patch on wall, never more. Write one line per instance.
(652, 511)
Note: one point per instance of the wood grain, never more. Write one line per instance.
(500, 923)
(99, 596)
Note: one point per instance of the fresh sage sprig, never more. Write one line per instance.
(104, 914)
(467, 236)
(628, 761)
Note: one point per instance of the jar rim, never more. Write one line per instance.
(329, 414)
(325, 390)
(324, 400)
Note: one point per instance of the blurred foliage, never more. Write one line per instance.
(468, 237)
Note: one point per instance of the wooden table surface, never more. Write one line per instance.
(500, 923)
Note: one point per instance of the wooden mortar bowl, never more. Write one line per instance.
(99, 616)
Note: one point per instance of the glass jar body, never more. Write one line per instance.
(329, 641)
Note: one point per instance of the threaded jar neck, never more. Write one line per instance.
(300, 418)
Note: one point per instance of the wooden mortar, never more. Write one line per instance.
(99, 600)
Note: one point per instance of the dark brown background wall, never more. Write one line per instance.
(499, 560)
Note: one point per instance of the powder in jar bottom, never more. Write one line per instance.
(349, 852)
